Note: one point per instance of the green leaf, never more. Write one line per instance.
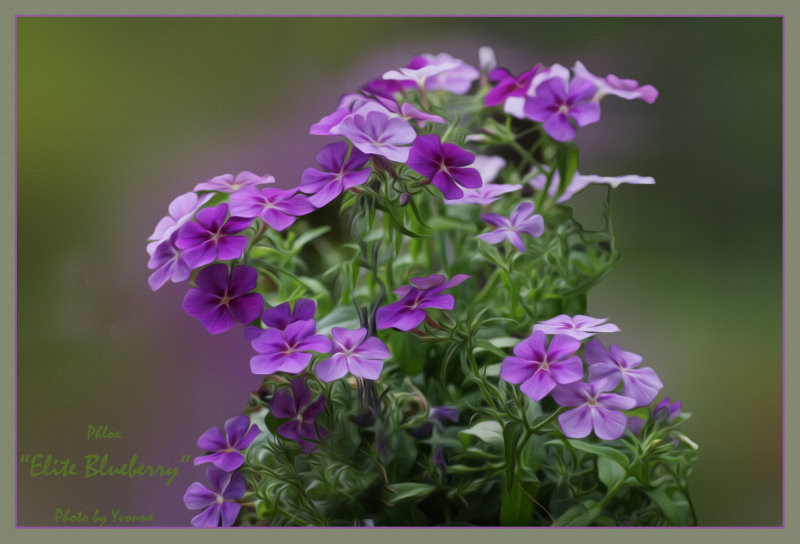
(600, 451)
(488, 431)
(609, 472)
(515, 509)
(511, 434)
(409, 490)
(579, 515)
(307, 236)
(666, 505)
(441, 223)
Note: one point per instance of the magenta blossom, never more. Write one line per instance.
(353, 353)
(558, 103)
(444, 164)
(222, 297)
(579, 327)
(287, 350)
(423, 293)
(628, 89)
(181, 210)
(226, 183)
(539, 367)
(521, 221)
(378, 133)
(594, 408)
(339, 173)
(615, 365)
(296, 405)
(279, 208)
(227, 447)
(508, 85)
(211, 236)
(169, 264)
(219, 501)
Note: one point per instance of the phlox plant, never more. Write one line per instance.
(417, 308)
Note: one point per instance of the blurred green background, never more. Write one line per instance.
(117, 116)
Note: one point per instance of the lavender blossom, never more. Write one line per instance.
(227, 447)
(287, 350)
(579, 182)
(296, 405)
(181, 210)
(628, 89)
(379, 133)
(444, 164)
(640, 384)
(353, 353)
(558, 103)
(169, 264)
(667, 411)
(211, 236)
(539, 367)
(336, 176)
(452, 75)
(222, 297)
(423, 293)
(219, 501)
(508, 85)
(521, 221)
(579, 327)
(595, 408)
(279, 208)
(226, 183)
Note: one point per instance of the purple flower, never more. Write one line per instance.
(557, 103)
(628, 89)
(379, 133)
(508, 85)
(226, 183)
(336, 176)
(297, 406)
(353, 353)
(408, 112)
(451, 74)
(211, 236)
(227, 447)
(580, 182)
(168, 263)
(437, 416)
(579, 327)
(423, 293)
(282, 315)
(279, 208)
(515, 105)
(539, 367)
(219, 501)
(444, 164)
(521, 220)
(220, 297)
(595, 408)
(667, 411)
(640, 384)
(181, 210)
(419, 70)
(488, 167)
(287, 350)
(349, 105)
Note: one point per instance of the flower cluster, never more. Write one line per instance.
(220, 502)
(375, 351)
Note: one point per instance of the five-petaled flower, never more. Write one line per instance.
(219, 501)
(279, 208)
(226, 183)
(539, 367)
(296, 405)
(640, 384)
(353, 353)
(288, 350)
(222, 297)
(181, 210)
(211, 236)
(423, 293)
(446, 165)
(378, 133)
(521, 221)
(558, 103)
(169, 264)
(227, 447)
(336, 176)
(579, 327)
(595, 407)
